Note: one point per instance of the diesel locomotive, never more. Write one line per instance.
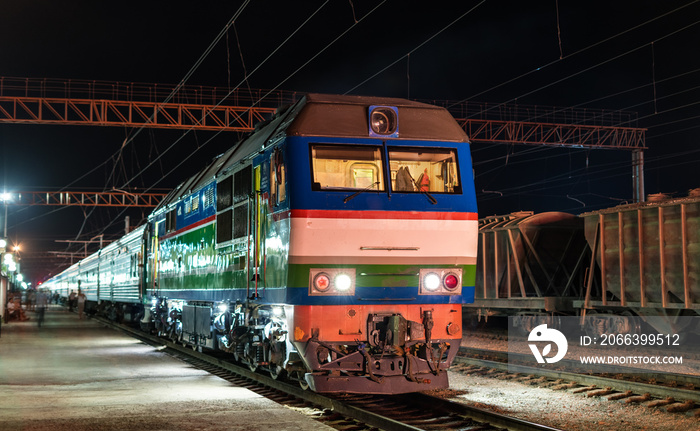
(336, 244)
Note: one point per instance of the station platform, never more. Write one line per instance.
(72, 374)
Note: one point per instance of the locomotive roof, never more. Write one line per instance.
(332, 116)
(347, 116)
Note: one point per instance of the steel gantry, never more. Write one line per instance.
(44, 101)
(90, 199)
(99, 103)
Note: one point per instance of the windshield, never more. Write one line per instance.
(432, 170)
(342, 167)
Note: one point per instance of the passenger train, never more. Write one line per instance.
(336, 244)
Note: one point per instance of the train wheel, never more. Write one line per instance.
(249, 357)
(595, 325)
(299, 377)
(277, 372)
(632, 324)
(303, 384)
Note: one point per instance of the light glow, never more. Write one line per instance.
(343, 282)
(431, 282)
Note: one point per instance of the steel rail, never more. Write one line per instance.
(598, 381)
(340, 406)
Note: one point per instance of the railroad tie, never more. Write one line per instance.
(586, 389)
(620, 396)
(659, 403)
(638, 398)
(601, 392)
(680, 407)
(536, 381)
(564, 386)
(554, 383)
(525, 379)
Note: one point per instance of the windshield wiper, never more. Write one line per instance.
(429, 196)
(347, 199)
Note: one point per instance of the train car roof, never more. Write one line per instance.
(331, 116)
(654, 201)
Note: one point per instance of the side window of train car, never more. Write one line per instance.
(346, 167)
(224, 210)
(242, 190)
(278, 174)
(232, 195)
(433, 170)
(170, 221)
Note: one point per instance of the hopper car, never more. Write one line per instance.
(630, 260)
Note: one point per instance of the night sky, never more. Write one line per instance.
(636, 56)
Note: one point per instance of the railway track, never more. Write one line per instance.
(417, 411)
(679, 392)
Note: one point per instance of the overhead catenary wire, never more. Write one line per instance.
(131, 136)
(231, 92)
(417, 47)
(134, 179)
(588, 69)
(269, 92)
(224, 98)
(573, 54)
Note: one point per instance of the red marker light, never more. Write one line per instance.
(322, 282)
(451, 281)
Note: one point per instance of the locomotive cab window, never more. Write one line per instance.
(433, 170)
(346, 167)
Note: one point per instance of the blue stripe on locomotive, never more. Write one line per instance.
(299, 174)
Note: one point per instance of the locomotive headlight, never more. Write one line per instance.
(384, 121)
(431, 282)
(342, 282)
(332, 281)
(440, 281)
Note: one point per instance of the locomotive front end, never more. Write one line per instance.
(382, 243)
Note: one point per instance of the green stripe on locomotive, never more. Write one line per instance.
(190, 261)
